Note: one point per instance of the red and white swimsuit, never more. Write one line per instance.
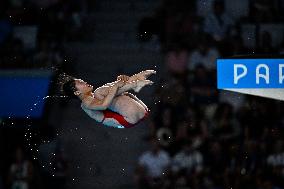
(119, 120)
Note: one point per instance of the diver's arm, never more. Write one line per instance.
(96, 104)
(120, 78)
(93, 104)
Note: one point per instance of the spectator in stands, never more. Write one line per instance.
(197, 125)
(187, 163)
(236, 100)
(275, 163)
(155, 163)
(166, 127)
(202, 87)
(224, 126)
(266, 46)
(176, 59)
(247, 160)
(263, 119)
(204, 55)
(276, 157)
(215, 163)
(21, 172)
(218, 24)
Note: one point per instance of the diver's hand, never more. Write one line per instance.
(120, 83)
(123, 78)
(144, 74)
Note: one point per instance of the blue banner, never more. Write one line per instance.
(21, 90)
(250, 73)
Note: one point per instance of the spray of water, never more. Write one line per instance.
(28, 133)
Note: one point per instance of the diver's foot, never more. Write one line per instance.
(142, 83)
(144, 74)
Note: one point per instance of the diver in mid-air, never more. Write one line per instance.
(112, 104)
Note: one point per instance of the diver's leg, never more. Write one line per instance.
(135, 82)
(136, 99)
(102, 91)
(132, 113)
(143, 75)
(134, 85)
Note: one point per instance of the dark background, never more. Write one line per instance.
(196, 136)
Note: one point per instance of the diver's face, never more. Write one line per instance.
(83, 87)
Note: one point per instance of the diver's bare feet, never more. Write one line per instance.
(143, 75)
(142, 83)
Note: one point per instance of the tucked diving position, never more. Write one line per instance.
(112, 104)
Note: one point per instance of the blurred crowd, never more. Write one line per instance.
(201, 137)
(32, 33)
(33, 158)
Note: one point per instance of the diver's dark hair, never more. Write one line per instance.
(69, 88)
(67, 83)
